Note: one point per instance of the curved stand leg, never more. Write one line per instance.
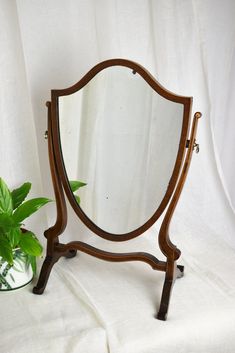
(167, 247)
(44, 274)
(52, 234)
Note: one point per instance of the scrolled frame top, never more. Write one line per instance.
(147, 76)
(150, 80)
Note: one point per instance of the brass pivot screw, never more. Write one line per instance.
(198, 115)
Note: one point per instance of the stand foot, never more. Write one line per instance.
(166, 292)
(44, 274)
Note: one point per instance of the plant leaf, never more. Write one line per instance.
(18, 195)
(29, 207)
(6, 222)
(5, 198)
(76, 184)
(14, 236)
(30, 245)
(6, 250)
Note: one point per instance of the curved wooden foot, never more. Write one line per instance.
(44, 274)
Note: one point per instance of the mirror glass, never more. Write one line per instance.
(121, 138)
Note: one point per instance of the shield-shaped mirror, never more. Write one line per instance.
(122, 135)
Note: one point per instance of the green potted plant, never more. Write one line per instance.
(18, 247)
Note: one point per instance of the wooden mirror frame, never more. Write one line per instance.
(55, 249)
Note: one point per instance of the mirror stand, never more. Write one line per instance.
(55, 249)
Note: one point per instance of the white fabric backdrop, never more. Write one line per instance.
(61, 42)
(189, 47)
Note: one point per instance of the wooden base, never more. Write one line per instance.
(70, 250)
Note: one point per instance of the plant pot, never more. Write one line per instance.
(16, 276)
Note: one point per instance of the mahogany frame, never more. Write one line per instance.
(55, 249)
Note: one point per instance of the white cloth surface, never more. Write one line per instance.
(90, 305)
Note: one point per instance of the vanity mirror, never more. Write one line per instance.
(124, 135)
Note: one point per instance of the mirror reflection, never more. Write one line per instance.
(120, 138)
